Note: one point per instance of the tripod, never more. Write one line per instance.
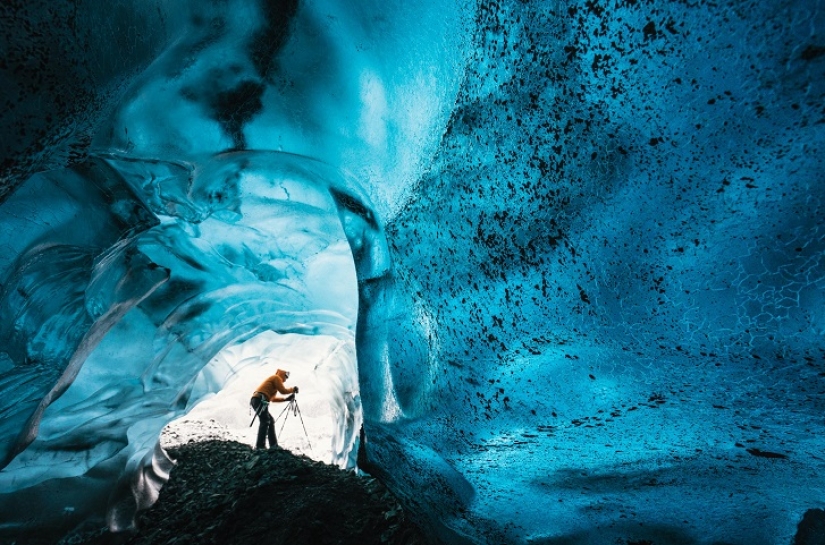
(293, 408)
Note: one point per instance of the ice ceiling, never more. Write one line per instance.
(587, 239)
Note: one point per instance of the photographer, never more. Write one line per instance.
(265, 394)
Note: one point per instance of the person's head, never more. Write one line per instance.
(283, 374)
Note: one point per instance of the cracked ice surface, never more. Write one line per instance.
(624, 266)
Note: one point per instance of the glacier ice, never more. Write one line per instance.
(586, 237)
(240, 245)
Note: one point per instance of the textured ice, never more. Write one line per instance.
(241, 244)
(587, 239)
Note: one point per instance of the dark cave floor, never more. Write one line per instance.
(225, 493)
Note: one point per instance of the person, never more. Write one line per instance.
(265, 394)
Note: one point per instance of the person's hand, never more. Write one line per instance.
(294, 390)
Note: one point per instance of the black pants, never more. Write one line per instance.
(266, 424)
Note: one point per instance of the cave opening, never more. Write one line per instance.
(328, 405)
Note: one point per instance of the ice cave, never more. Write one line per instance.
(563, 260)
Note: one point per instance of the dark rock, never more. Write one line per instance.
(811, 529)
(230, 494)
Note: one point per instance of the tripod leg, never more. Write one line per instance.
(298, 411)
(282, 413)
(287, 416)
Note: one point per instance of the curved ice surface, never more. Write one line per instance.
(242, 247)
(590, 281)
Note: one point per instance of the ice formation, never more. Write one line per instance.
(585, 237)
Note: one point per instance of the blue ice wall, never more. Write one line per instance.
(187, 184)
(587, 237)
(127, 284)
(616, 262)
(65, 64)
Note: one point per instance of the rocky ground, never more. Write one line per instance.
(227, 493)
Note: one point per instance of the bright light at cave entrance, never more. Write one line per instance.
(324, 369)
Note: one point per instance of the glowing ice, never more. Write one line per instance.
(590, 279)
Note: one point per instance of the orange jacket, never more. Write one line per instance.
(271, 386)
